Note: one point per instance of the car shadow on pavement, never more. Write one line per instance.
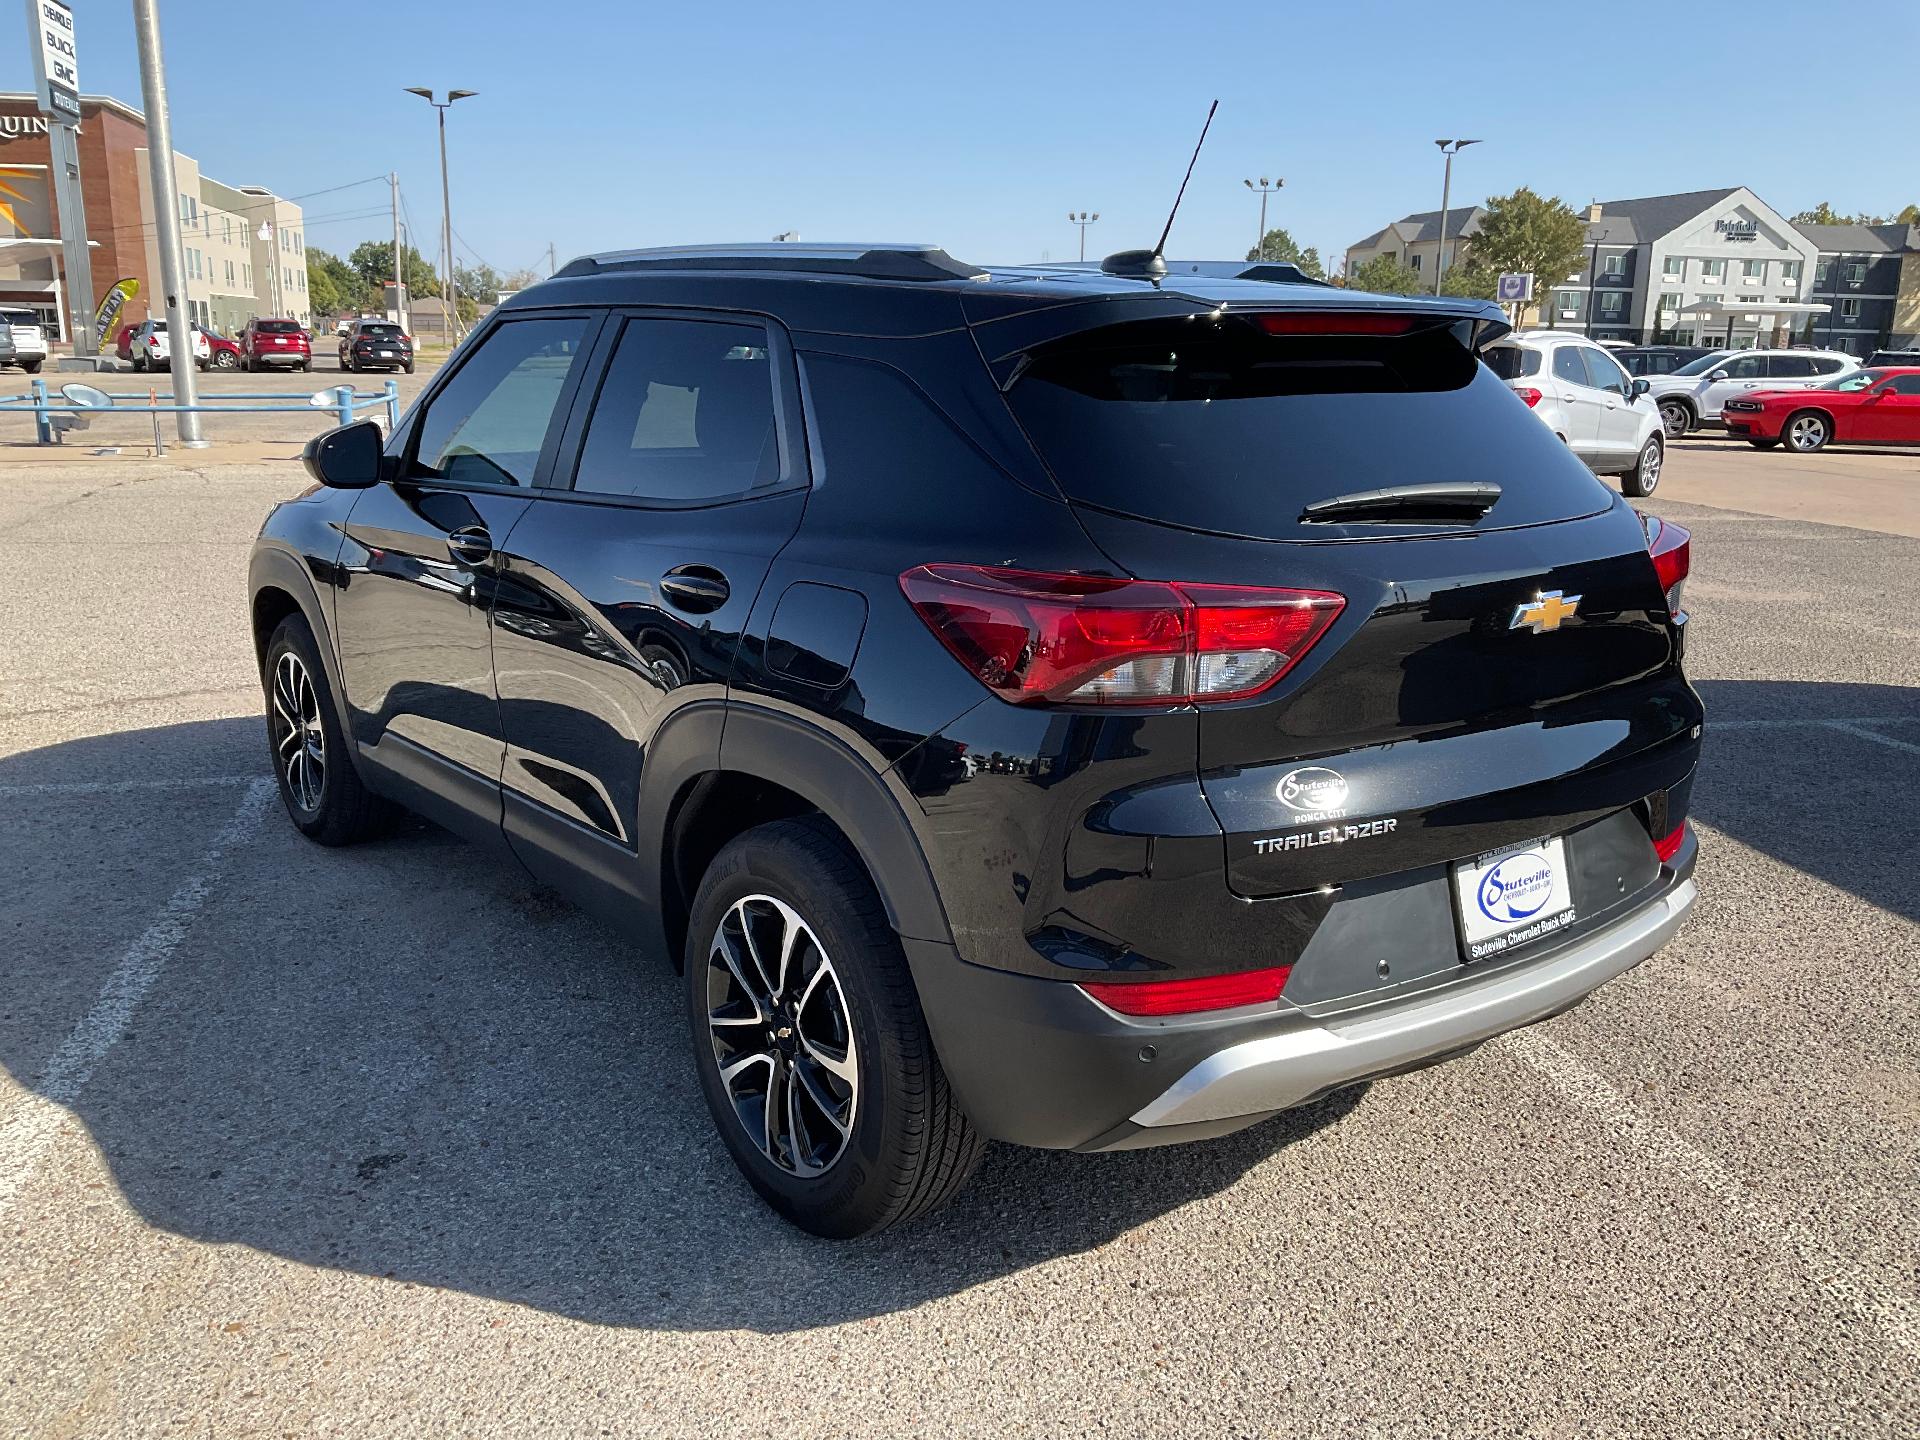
(1779, 774)
(406, 1060)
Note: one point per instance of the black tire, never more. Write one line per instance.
(139, 361)
(909, 1148)
(342, 810)
(1644, 478)
(1806, 431)
(32, 367)
(1676, 418)
(1764, 444)
(306, 367)
(408, 367)
(202, 365)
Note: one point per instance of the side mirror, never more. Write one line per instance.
(347, 457)
(1642, 387)
(1719, 375)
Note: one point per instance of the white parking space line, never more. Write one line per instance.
(1849, 723)
(1897, 1316)
(1850, 729)
(118, 787)
(32, 1125)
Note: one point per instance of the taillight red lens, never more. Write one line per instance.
(1668, 846)
(1528, 394)
(1030, 636)
(1671, 547)
(1333, 322)
(1185, 997)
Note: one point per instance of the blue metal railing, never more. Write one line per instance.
(344, 401)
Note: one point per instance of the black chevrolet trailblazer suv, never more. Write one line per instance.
(1078, 709)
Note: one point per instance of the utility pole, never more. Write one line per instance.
(1266, 187)
(1083, 219)
(1448, 148)
(552, 264)
(166, 216)
(1593, 269)
(399, 257)
(448, 299)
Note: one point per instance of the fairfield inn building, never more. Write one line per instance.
(232, 274)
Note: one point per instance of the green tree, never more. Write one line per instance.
(332, 284)
(1279, 245)
(1821, 214)
(1908, 216)
(479, 284)
(1386, 275)
(1825, 214)
(373, 260)
(1471, 277)
(1525, 232)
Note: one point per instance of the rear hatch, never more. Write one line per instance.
(1504, 667)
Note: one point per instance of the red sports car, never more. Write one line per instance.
(1865, 407)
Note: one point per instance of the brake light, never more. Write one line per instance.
(1671, 547)
(1332, 322)
(1528, 394)
(1032, 637)
(1668, 846)
(1185, 997)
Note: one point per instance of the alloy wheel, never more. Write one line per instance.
(1650, 457)
(1807, 432)
(299, 739)
(781, 1035)
(1673, 419)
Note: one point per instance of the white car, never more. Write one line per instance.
(29, 339)
(1693, 395)
(1584, 396)
(151, 352)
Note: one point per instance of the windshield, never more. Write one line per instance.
(1219, 425)
(1858, 380)
(1703, 364)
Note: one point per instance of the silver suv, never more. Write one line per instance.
(1693, 395)
(29, 347)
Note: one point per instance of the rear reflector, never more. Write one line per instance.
(1334, 322)
(1032, 637)
(1186, 997)
(1668, 846)
(1528, 394)
(1671, 546)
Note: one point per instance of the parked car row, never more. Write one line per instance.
(1880, 406)
(1694, 394)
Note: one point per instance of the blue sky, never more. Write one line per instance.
(980, 126)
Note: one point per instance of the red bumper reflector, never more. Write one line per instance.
(1186, 997)
(1668, 846)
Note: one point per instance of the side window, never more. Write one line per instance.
(1747, 367)
(1790, 367)
(1511, 362)
(1567, 366)
(685, 413)
(487, 426)
(1825, 365)
(1905, 385)
(1603, 372)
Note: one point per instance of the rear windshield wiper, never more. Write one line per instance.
(1461, 503)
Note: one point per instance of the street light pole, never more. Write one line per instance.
(447, 297)
(1083, 219)
(1266, 187)
(166, 217)
(1448, 148)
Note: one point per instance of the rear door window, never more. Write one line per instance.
(1216, 424)
(1790, 367)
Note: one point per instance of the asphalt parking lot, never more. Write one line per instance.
(388, 1141)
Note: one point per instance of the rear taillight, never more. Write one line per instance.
(1030, 637)
(1668, 846)
(1186, 997)
(1671, 546)
(1528, 394)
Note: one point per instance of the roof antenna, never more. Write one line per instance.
(1151, 264)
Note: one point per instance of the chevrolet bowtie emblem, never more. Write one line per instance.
(1545, 613)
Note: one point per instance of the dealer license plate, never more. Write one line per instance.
(1512, 897)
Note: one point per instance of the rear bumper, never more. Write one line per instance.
(282, 357)
(1281, 1071)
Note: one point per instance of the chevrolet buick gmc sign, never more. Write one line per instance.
(56, 62)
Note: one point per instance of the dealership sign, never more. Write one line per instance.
(56, 63)
(1515, 288)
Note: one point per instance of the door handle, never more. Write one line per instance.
(697, 589)
(471, 544)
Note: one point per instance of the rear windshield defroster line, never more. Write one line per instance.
(1212, 423)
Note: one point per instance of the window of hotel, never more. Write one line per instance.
(1850, 307)
(1414, 260)
(1612, 303)
(1822, 272)
(1789, 270)
(1613, 265)
(1753, 269)
(1675, 266)
(1856, 272)
(1713, 269)
(1568, 301)
(1670, 300)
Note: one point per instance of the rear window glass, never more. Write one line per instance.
(1512, 362)
(382, 332)
(1214, 424)
(277, 327)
